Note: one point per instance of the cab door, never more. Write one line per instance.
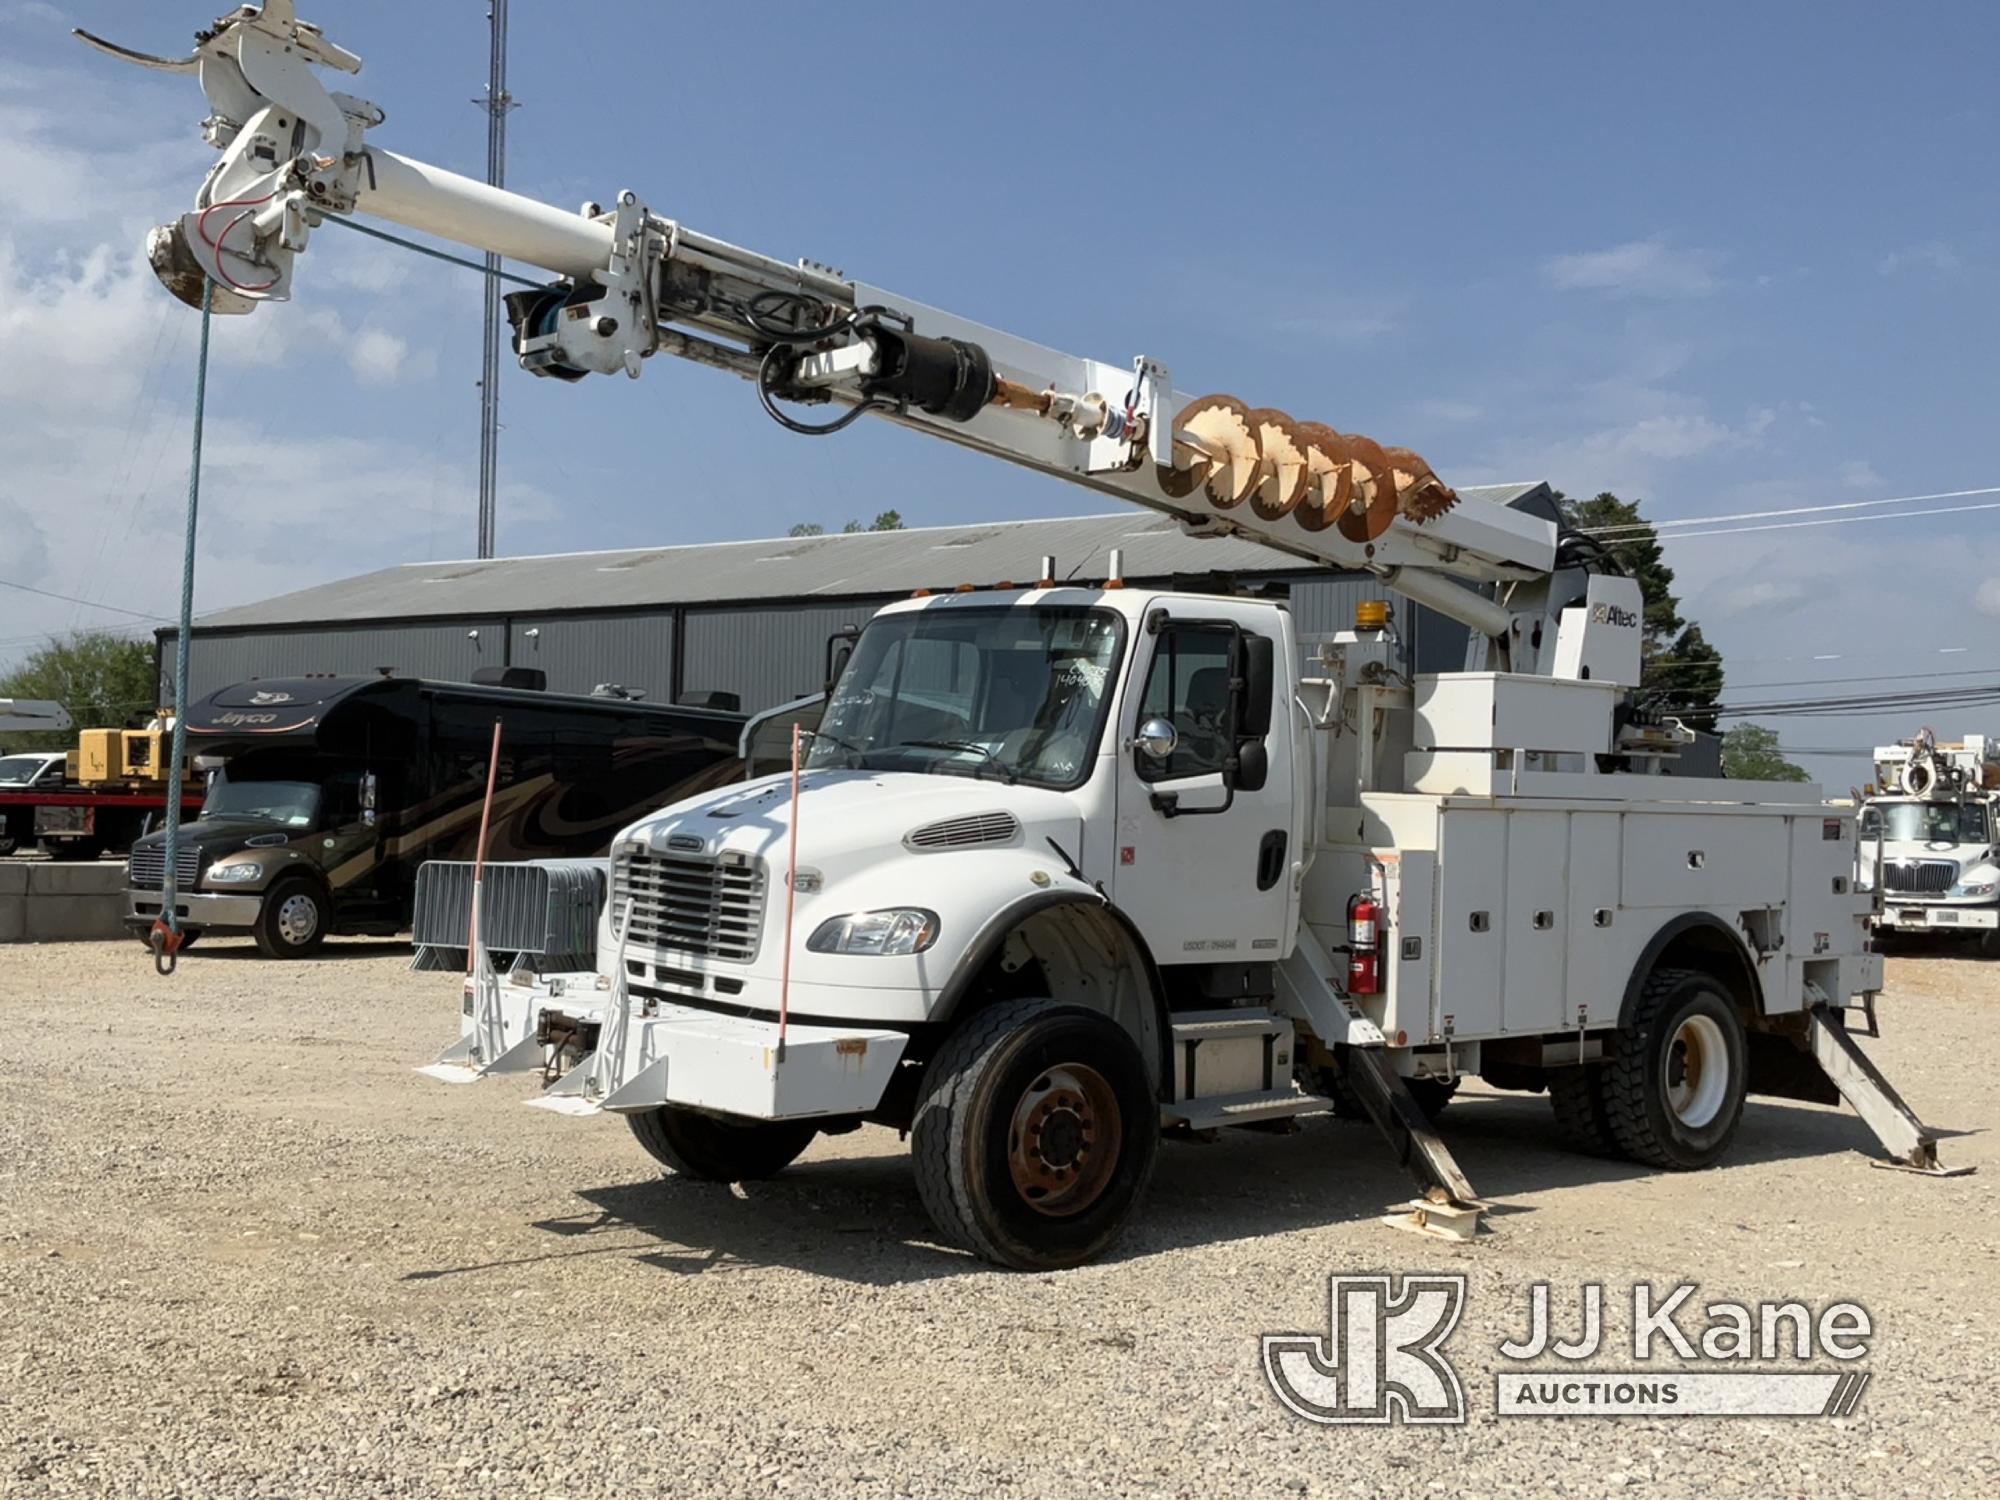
(1204, 855)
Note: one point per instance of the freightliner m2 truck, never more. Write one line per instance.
(1070, 865)
(1928, 841)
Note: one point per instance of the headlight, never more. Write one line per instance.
(1975, 888)
(234, 874)
(898, 930)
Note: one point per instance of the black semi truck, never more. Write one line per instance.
(325, 794)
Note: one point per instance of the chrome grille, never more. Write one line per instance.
(966, 832)
(1929, 877)
(148, 866)
(691, 903)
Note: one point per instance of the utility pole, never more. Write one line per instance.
(497, 103)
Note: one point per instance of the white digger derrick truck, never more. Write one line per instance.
(1929, 846)
(1070, 864)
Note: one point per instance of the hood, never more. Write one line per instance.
(215, 833)
(856, 812)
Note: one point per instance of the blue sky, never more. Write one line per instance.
(1719, 257)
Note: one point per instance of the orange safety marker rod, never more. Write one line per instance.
(479, 854)
(791, 900)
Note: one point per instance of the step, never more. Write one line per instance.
(1242, 1109)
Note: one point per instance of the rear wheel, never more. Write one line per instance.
(1674, 1093)
(292, 922)
(1036, 1134)
(718, 1150)
(1431, 1094)
(73, 849)
(1578, 1097)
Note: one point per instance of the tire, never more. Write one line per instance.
(713, 1149)
(1035, 1134)
(1578, 1097)
(1431, 1094)
(1674, 1093)
(293, 920)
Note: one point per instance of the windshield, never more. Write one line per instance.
(1018, 694)
(19, 770)
(289, 804)
(1926, 822)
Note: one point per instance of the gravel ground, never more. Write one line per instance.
(244, 1250)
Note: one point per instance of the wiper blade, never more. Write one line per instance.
(1007, 772)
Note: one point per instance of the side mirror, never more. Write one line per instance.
(1156, 739)
(368, 785)
(1253, 720)
(839, 648)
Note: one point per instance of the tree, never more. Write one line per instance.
(888, 520)
(101, 678)
(1750, 753)
(1679, 666)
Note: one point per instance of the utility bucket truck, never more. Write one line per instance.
(1928, 837)
(1070, 864)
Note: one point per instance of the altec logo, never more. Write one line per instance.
(1612, 614)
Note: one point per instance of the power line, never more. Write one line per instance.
(1904, 515)
(1639, 527)
(28, 588)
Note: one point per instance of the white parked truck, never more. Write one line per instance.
(1928, 841)
(1070, 864)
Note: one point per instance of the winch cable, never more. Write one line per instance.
(165, 938)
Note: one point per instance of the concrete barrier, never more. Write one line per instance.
(45, 901)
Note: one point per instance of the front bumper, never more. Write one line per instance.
(194, 908)
(648, 1053)
(1938, 916)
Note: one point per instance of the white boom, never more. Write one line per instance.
(25, 715)
(635, 284)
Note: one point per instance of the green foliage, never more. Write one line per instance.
(888, 520)
(1750, 753)
(1677, 663)
(102, 679)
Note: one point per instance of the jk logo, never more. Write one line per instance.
(1379, 1360)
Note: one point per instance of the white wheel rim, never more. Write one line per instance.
(1697, 1071)
(298, 919)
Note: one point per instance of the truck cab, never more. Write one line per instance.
(26, 771)
(1929, 845)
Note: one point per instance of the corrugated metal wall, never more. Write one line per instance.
(579, 652)
(766, 653)
(1321, 606)
(445, 649)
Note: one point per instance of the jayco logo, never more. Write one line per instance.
(1379, 1360)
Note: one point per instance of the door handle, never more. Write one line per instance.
(1271, 859)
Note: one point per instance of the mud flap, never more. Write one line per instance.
(1911, 1147)
(1448, 1208)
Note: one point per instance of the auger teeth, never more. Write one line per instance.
(1215, 450)
(1420, 495)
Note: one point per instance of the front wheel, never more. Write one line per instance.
(1036, 1134)
(718, 1150)
(292, 922)
(1674, 1093)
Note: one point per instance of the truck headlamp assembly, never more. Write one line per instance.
(1984, 881)
(234, 874)
(894, 931)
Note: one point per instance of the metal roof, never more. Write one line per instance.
(865, 563)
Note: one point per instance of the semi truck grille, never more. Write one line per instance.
(689, 902)
(148, 866)
(1930, 877)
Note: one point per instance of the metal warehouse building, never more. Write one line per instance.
(750, 618)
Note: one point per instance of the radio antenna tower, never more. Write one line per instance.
(497, 103)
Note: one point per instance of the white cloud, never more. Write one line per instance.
(1638, 268)
(1441, 409)
(1343, 320)
(1935, 256)
(1986, 598)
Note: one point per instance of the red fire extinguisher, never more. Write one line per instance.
(1364, 945)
